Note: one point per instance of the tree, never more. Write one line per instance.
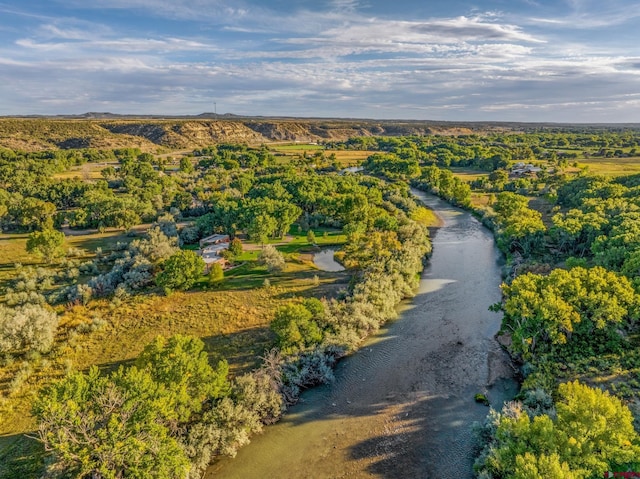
(216, 274)
(181, 365)
(296, 328)
(33, 213)
(593, 432)
(185, 165)
(311, 237)
(182, 200)
(47, 244)
(110, 427)
(261, 227)
(543, 312)
(597, 428)
(272, 258)
(235, 247)
(180, 271)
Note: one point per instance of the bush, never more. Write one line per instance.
(156, 247)
(29, 326)
(216, 274)
(272, 259)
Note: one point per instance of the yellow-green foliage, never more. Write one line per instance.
(425, 217)
(592, 433)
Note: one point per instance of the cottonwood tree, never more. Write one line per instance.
(180, 271)
(543, 312)
(47, 244)
(296, 327)
(593, 431)
(109, 427)
(181, 365)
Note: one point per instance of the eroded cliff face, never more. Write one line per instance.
(174, 134)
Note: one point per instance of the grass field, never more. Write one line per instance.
(296, 150)
(468, 174)
(610, 166)
(88, 171)
(297, 147)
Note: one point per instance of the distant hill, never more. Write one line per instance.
(155, 133)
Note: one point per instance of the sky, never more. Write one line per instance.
(498, 60)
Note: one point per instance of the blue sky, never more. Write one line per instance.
(511, 60)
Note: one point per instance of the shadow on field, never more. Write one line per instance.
(21, 457)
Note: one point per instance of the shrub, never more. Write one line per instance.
(272, 259)
(28, 326)
(216, 274)
(156, 247)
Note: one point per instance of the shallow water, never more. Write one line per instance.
(324, 261)
(403, 406)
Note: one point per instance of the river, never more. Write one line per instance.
(403, 406)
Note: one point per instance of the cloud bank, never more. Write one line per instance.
(341, 58)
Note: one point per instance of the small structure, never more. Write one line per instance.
(520, 169)
(211, 248)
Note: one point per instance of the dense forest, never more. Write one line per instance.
(571, 297)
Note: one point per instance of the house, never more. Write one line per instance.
(520, 169)
(211, 248)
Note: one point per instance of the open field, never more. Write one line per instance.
(468, 174)
(296, 147)
(295, 151)
(610, 166)
(88, 171)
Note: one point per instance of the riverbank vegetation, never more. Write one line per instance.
(571, 293)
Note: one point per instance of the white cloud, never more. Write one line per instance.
(330, 62)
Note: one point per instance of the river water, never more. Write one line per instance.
(403, 406)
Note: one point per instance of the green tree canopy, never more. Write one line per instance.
(109, 427)
(592, 433)
(544, 311)
(296, 325)
(47, 243)
(181, 365)
(180, 271)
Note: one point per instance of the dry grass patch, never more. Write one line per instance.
(610, 166)
(468, 174)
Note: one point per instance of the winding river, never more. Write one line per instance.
(403, 406)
